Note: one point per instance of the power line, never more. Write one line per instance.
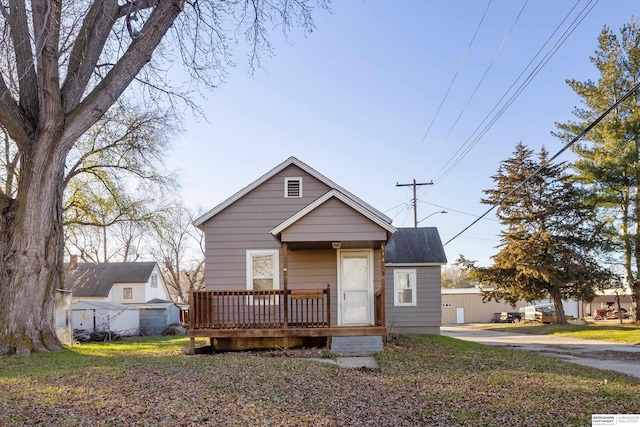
(555, 156)
(479, 131)
(456, 211)
(470, 144)
(493, 60)
(455, 76)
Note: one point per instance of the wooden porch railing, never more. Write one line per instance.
(294, 308)
(378, 308)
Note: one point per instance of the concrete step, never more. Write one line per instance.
(357, 346)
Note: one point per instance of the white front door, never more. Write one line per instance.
(355, 287)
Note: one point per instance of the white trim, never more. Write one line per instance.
(249, 270)
(420, 264)
(322, 199)
(412, 273)
(370, 306)
(290, 161)
(286, 187)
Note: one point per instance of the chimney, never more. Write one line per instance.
(73, 262)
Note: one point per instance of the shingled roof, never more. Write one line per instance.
(96, 280)
(415, 246)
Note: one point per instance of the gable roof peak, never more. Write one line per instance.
(199, 222)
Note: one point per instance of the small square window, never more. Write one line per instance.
(127, 293)
(292, 187)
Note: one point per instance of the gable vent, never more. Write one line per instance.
(293, 187)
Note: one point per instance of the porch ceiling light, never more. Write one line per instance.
(336, 245)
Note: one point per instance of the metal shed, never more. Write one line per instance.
(156, 315)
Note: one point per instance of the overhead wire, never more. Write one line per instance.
(461, 152)
(456, 210)
(479, 131)
(455, 76)
(551, 159)
(486, 72)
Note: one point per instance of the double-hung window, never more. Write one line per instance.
(404, 287)
(263, 271)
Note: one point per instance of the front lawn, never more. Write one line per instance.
(423, 380)
(628, 333)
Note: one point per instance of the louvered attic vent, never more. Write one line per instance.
(293, 187)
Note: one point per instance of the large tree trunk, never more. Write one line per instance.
(561, 318)
(31, 253)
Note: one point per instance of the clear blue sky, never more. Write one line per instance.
(355, 98)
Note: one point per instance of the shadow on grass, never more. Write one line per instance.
(84, 356)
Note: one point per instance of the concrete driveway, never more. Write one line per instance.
(604, 355)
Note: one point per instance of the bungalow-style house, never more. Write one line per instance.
(123, 297)
(293, 255)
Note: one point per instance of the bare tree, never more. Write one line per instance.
(455, 277)
(71, 61)
(179, 251)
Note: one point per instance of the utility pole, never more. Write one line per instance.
(415, 185)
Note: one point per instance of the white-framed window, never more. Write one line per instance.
(293, 187)
(154, 280)
(127, 293)
(404, 287)
(263, 271)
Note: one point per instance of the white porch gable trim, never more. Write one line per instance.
(321, 200)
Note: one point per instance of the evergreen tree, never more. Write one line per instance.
(609, 156)
(550, 235)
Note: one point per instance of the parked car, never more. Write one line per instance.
(615, 314)
(511, 316)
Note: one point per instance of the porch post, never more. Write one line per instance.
(382, 286)
(285, 288)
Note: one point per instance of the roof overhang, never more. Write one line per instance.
(362, 210)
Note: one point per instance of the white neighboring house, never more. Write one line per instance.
(118, 296)
(121, 282)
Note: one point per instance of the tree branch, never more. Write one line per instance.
(27, 78)
(89, 111)
(87, 48)
(46, 19)
(11, 117)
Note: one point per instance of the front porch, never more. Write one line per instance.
(286, 313)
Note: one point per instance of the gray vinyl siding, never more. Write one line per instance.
(425, 316)
(333, 221)
(314, 269)
(246, 224)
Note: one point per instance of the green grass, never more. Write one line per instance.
(627, 333)
(423, 380)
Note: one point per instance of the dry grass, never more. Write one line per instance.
(423, 380)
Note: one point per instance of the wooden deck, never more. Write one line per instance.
(268, 314)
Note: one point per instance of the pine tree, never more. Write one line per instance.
(550, 235)
(609, 156)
